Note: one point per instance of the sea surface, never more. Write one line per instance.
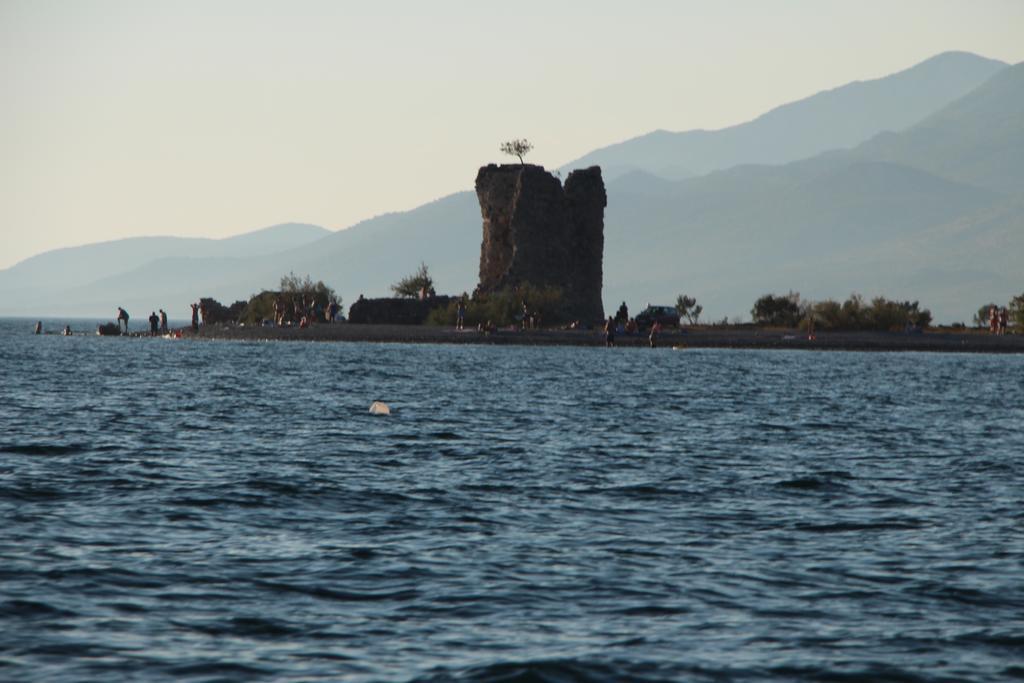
(220, 511)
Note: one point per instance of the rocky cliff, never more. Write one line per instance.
(536, 231)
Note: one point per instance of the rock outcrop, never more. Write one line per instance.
(537, 232)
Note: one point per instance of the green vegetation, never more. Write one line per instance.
(880, 314)
(517, 148)
(216, 313)
(260, 307)
(1016, 311)
(294, 290)
(777, 311)
(293, 285)
(689, 308)
(852, 315)
(505, 308)
(418, 283)
(981, 317)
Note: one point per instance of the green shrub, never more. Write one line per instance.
(1016, 311)
(260, 307)
(412, 286)
(293, 290)
(778, 311)
(981, 317)
(855, 315)
(443, 315)
(504, 308)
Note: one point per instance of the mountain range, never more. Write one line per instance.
(906, 186)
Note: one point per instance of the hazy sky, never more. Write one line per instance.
(216, 117)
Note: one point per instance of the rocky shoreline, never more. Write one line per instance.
(959, 341)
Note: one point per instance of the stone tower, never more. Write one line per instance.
(536, 231)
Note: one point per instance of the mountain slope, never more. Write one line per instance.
(366, 258)
(834, 119)
(73, 266)
(933, 212)
(978, 139)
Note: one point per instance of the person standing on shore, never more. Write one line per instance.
(122, 315)
(460, 314)
(163, 322)
(655, 331)
(279, 311)
(609, 332)
(1004, 319)
(195, 317)
(154, 323)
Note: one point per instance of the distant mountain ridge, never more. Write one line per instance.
(834, 119)
(977, 139)
(102, 259)
(933, 212)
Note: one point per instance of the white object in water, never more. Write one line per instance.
(379, 408)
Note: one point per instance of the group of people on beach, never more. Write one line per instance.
(998, 319)
(157, 323)
(613, 325)
(304, 311)
(529, 320)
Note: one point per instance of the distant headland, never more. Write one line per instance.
(540, 283)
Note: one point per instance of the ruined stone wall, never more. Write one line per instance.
(395, 311)
(536, 231)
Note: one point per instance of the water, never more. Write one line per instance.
(228, 511)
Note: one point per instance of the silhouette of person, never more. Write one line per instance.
(163, 321)
(195, 317)
(609, 332)
(122, 315)
(154, 323)
(655, 331)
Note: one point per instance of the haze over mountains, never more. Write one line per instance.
(90, 262)
(907, 186)
(833, 119)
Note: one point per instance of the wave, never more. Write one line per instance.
(554, 671)
(43, 449)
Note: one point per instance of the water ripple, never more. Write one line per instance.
(231, 512)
